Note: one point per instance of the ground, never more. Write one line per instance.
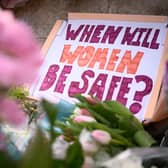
(42, 14)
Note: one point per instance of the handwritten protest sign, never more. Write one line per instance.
(112, 57)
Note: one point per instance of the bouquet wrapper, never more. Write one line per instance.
(139, 158)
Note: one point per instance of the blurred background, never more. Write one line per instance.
(42, 14)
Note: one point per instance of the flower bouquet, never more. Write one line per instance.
(103, 129)
(91, 134)
(89, 137)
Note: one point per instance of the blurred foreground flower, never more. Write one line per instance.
(12, 3)
(83, 118)
(20, 59)
(10, 112)
(89, 145)
(101, 136)
(19, 52)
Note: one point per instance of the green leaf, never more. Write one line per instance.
(116, 107)
(97, 112)
(127, 125)
(115, 133)
(75, 156)
(142, 138)
(18, 92)
(6, 161)
(76, 128)
(112, 113)
(38, 153)
(51, 111)
(121, 111)
(70, 127)
(57, 163)
(81, 98)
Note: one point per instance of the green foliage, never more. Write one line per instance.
(142, 138)
(38, 153)
(51, 113)
(75, 156)
(112, 114)
(6, 161)
(126, 131)
(29, 105)
(74, 129)
(18, 93)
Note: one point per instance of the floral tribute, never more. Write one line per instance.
(94, 132)
(20, 59)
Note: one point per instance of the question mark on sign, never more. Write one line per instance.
(139, 95)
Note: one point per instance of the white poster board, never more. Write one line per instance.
(112, 57)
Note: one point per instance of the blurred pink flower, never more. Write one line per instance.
(83, 118)
(101, 136)
(12, 3)
(20, 55)
(10, 112)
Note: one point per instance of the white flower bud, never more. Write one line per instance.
(101, 136)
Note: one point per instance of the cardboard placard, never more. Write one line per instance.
(110, 56)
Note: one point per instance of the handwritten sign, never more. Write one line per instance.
(112, 57)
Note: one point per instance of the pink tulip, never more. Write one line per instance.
(84, 112)
(20, 56)
(10, 112)
(20, 59)
(12, 3)
(89, 145)
(101, 136)
(91, 100)
(83, 118)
